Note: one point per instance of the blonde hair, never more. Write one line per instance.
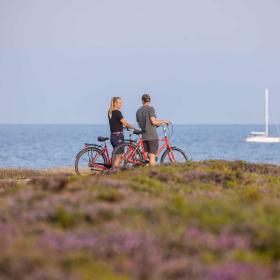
(112, 104)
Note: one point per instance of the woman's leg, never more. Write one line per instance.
(117, 161)
(115, 141)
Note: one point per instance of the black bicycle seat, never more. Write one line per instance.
(102, 139)
(138, 132)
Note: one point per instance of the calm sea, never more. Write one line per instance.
(45, 146)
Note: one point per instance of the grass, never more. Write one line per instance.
(202, 220)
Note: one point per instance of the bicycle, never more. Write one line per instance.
(94, 158)
(134, 154)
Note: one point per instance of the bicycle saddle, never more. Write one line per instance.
(102, 139)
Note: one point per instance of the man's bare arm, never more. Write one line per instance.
(157, 122)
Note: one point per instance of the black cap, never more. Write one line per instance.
(146, 97)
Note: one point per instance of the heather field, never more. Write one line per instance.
(203, 220)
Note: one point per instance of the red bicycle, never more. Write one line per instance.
(95, 158)
(133, 154)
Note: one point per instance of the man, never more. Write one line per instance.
(148, 122)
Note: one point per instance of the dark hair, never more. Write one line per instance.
(146, 98)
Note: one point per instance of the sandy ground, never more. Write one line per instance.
(12, 176)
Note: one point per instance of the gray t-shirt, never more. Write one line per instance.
(143, 117)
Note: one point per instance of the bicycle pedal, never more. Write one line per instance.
(143, 162)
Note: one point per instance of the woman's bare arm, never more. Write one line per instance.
(126, 124)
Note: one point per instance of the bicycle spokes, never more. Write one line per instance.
(128, 155)
(173, 156)
(90, 160)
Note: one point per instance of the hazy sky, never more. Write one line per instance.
(203, 61)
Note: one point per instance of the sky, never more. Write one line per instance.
(202, 61)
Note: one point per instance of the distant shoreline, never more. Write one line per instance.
(105, 124)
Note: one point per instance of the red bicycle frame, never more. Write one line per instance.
(104, 151)
(140, 146)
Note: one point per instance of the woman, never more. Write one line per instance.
(117, 122)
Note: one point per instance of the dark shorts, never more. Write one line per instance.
(151, 147)
(117, 139)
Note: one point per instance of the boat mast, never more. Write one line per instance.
(266, 112)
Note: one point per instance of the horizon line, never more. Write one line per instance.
(107, 124)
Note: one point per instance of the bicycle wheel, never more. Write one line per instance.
(129, 155)
(90, 160)
(176, 156)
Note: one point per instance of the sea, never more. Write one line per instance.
(50, 146)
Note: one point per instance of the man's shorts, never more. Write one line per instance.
(151, 146)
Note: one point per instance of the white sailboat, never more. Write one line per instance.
(262, 137)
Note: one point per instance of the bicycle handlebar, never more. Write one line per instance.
(139, 132)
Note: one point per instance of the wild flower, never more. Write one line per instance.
(193, 221)
(235, 271)
(222, 242)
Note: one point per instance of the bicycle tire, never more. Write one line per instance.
(178, 150)
(136, 161)
(103, 161)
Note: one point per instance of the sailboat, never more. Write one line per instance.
(262, 137)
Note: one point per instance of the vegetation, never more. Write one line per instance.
(202, 220)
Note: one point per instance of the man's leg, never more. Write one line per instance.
(152, 159)
(146, 149)
(153, 149)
